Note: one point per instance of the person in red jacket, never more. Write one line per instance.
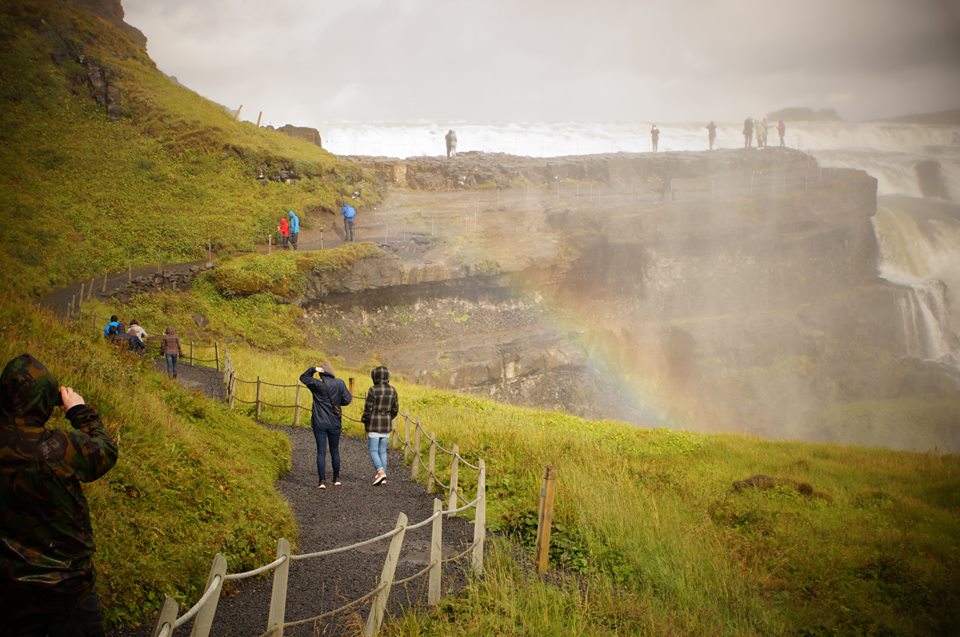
(284, 229)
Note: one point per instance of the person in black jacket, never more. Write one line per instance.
(329, 397)
(379, 410)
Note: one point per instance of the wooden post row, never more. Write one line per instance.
(546, 518)
(379, 605)
(436, 555)
(454, 475)
(257, 418)
(432, 465)
(296, 407)
(204, 619)
(278, 594)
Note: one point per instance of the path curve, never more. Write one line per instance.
(336, 516)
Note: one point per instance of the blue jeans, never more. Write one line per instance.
(323, 438)
(171, 364)
(378, 452)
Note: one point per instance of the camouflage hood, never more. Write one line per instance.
(28, 392)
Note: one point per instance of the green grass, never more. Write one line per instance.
(173, 173)
(193, 478)
(649, 537)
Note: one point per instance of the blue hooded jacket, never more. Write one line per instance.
(348, 211)
(294, 222)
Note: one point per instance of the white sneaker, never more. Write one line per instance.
(380, 478)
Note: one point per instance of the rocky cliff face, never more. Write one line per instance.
(112, 12)
(728, 291)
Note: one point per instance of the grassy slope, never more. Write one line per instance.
(81, 195)
(647, 520)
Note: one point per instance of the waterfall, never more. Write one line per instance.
(919, 249)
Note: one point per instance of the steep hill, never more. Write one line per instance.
(108, 161)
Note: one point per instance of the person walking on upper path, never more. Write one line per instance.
(451, 139)
(654, 137)
(294, 229)
(711, 133)
(284, 229)
(170, 349)
(380, 408)
(348, 213)
(46, 539)
(330, 395)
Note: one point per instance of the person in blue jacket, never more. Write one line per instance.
(294, 229)
(330, 395)
(114, 323)
(348, 213)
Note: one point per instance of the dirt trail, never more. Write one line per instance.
(336, 516)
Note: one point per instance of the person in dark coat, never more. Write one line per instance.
(46, 540)
(379, 410)
(330, 395)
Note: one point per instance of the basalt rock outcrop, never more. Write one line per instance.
(726, 291)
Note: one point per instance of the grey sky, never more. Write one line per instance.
(308, 61)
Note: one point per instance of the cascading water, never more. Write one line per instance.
(919, 249)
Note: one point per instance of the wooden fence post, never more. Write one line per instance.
(350, 384)
(90, 291)
(257, 418)
(278, 594)
(81, 293)
(216, 355)
(546, 518)
(480, 520)
(204, 618)
(296, 406)
(269, 243)
(191, 352)
(104, 290)
(168, 615)
(379, 605)
(406, 437)
(454, 471)
(432, 464)
(232, 393)
(436, 555)
(415, 465)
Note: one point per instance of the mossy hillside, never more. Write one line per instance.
(193, 478)
(83, 195)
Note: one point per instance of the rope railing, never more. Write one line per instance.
(204, 609)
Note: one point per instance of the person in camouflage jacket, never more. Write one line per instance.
(379, 410)
(46, 541)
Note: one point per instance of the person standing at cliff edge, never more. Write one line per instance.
(284, 229)
(781, 131)
(451, 139)
(46, 539)
(748, 132)
(348, 213)
(294, 229)
(654, 137)
(711, 133)
(330, 395)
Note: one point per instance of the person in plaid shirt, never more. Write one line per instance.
(379, 410)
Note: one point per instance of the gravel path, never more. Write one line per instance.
(337, 516)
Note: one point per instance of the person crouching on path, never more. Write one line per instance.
(330, 395)
(46, 540)
(379, 410)
(170, 349)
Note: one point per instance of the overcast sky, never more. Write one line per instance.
(310, 61)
